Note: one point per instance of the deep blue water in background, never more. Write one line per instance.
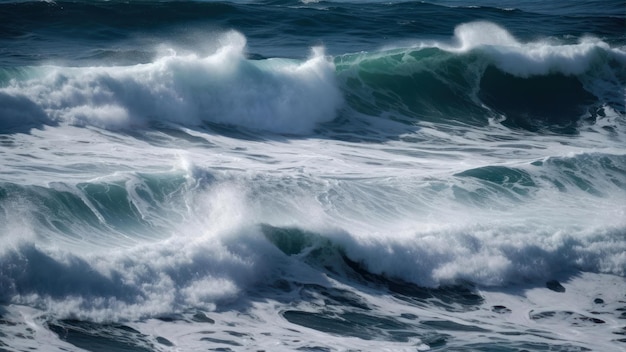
(123, 32)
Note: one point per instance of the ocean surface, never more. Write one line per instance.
(282, 175)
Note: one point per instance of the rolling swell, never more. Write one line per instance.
(583, 174)
(410, 85)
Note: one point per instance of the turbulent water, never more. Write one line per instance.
(275, 175)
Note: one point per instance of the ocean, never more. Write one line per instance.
(283, 175)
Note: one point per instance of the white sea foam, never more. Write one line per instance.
(533, 58)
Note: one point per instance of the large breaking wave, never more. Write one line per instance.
(483, 74)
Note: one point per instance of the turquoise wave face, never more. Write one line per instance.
(485, 73)
(120, 212)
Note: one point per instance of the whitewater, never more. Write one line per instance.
(312, 176)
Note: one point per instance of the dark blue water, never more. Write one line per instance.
(84, 32)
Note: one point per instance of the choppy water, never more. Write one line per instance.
(313, 176)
